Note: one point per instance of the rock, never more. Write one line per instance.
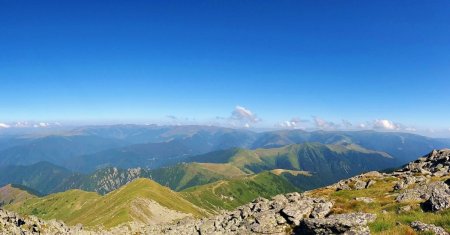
(364, 199)
(296, 213)
(436, 163)
(405, 182)
(359, 185)
(372, 174)
(11, 223)
(370, 183)
(439, 200)
(423, 192)
(405, 208)
(353, 223)
(422, 227)
(399, 185)
(267, 223)
(321, 210)
(343, 187)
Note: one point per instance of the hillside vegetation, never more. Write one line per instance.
(229, 194)
(141, 201)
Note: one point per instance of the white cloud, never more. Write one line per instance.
(41, 124)
(242, 113)
(293, 123)
(325, 125)
(384, 124)
(22, 124)
(362, 125)
(242, 116)
(3, 125)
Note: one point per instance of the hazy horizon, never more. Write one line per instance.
(356, 65)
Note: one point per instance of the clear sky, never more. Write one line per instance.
(262, 63)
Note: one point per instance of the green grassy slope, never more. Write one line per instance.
(183, 176)
(229, 194)
(128, 203)
(59, 206)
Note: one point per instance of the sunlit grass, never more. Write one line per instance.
(390, 219)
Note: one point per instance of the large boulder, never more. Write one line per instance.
(424, 191)
(439, 200)
(353, 223)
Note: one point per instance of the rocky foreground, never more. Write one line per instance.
(423, 183)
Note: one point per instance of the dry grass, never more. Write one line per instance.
(390, 219)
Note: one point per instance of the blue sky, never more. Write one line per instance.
(305, 63)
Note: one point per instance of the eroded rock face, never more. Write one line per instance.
(422, 227)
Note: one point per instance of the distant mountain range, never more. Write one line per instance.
(306, 166)
(86, 149)
(102, 159)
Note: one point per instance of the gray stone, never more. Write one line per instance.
(296, 213)
(359, 185)
(321, 210)
(422, 227)
(370, 183)
(353, 223)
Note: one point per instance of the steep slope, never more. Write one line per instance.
(56, 206)
(10, 194)
(142, 201)
(229, 194)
